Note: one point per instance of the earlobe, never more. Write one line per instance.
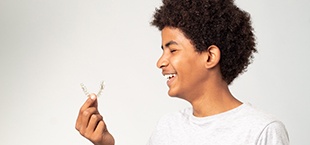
(213, 56)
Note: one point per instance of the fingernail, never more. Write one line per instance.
(92, 96)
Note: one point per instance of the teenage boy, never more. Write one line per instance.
(206, 44)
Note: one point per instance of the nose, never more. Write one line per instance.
(162, 62)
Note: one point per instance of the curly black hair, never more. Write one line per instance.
(212, 22)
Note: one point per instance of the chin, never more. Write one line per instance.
(172, 93)
(177, 94)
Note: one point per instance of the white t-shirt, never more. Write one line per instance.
(244, 125)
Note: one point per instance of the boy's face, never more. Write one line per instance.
(182, 65)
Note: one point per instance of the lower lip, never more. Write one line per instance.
(169, 82)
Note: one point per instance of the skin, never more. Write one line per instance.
(91, 125)
(198, 80)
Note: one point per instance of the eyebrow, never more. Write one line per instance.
(169, 43)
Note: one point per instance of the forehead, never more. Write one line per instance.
(173, 34)
(175, 38)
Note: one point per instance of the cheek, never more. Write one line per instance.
(186, 65)
(192, 68)
(177, 63)
(183, 68)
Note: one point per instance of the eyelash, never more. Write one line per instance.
(172, 51)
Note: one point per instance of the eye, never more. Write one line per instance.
(172, 50)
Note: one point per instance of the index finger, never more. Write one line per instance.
(90, 102)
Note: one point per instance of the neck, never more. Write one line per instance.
(215, 99)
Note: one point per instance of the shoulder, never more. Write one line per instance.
(250, 113)
(270, 130)
(274, 134)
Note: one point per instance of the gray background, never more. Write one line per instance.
(47, 48)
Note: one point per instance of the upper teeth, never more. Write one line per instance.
(169, 76)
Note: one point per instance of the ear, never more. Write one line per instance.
(212, 56)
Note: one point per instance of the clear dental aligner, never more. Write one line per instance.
(87, 93)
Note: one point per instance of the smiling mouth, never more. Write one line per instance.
(169, 76)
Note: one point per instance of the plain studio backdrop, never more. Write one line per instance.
(49, 47)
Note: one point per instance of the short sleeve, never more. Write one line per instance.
(274, 134)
